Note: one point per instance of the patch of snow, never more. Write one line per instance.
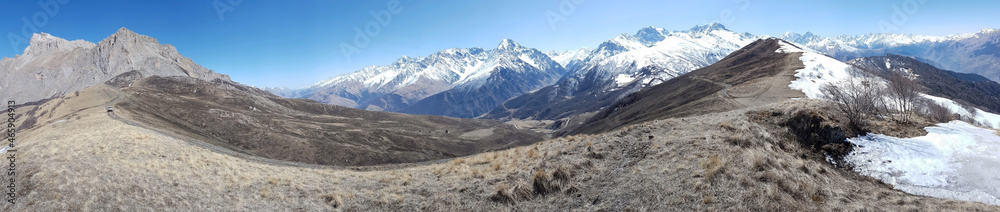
(623, 79)
(991, 119)
(819, 70)
(787, 48)
(954, 160)
(527, 59)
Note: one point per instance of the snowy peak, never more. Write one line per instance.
(508, 44)
(406, 59)
(708, 28)
(650, 35)
(801, 38)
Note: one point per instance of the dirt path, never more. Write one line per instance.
(724, 93)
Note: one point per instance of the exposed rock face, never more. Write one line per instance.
(52, 66)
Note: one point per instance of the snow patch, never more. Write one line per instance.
(623, 79)
(819, 70)
(991, 119)
(954, 160)
(787, 48)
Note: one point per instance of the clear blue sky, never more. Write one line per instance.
(296, 43)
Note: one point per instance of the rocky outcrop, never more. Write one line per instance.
(52, 66)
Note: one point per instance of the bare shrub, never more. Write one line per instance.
(937, 112)
(859, 98)
(904, 91)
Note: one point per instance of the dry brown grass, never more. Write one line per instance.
(96, 163)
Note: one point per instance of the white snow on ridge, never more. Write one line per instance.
(954, 160)
(787, 47)
(993, 120)
(819, 70)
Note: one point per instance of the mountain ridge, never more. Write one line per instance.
(53, 66)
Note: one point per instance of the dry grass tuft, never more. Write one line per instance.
(334, 200)
(713, 167)
(727, 126)
(521, 191)
(543, 183)
(502, 195)
(561, 174)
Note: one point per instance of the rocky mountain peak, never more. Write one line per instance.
(42, 43)
(124, 32)
(126, 36)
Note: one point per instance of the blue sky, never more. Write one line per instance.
(297, 43)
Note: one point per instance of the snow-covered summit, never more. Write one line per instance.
(508, 44)
(672, 52)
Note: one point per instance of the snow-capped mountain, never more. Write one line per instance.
(565, 57)
(623, 65)
(977, 53)
(410, 79)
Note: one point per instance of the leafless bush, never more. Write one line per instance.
(904, 91)
(859, 98)
(937, 112)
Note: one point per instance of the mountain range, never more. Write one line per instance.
(965, 53)
(583, 81)
(470, 81)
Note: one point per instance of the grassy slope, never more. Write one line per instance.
(727, 161)
(255, 122)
